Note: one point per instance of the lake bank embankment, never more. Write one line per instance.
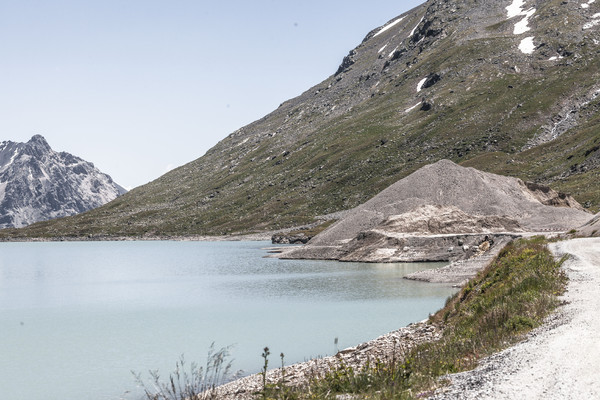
(387, 347)
(568, 333)
(557, 360)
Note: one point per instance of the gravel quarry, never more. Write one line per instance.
(558, 360)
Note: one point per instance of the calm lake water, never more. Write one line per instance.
(77, 318)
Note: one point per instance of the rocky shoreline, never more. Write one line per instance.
(457, 273)
(480, 383)
(390, 346)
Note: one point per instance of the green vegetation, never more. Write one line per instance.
(494, 310)
(280, 389)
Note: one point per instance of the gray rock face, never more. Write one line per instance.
(376, 246)
(285, 238)
(425, 215)
(38, 183)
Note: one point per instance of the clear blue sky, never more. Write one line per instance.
(141, 86)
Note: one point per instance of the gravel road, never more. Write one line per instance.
(559, 360)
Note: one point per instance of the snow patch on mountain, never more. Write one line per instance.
(523, 25)
(415, 28)
(526, 46)
(38, 183)
(515, 9)
(586, 5)
(412, 108)
(591, 24)
(595, 21)
(388, 26)
(420, 84)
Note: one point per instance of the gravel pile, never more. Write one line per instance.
(445, 183)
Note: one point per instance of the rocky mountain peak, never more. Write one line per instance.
(38, 183)
(38, 140)
(37, 146)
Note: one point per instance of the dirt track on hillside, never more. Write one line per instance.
(558, 360)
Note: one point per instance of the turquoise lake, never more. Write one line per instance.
(77, 317)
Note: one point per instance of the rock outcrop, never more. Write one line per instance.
(443, 212)
(38, 183)
(381, 246)
(290, 238)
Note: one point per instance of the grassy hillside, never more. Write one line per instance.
(486, 105)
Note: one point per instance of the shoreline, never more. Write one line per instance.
(386, 347)
(251, 237)
(391, 345)
(468, 385)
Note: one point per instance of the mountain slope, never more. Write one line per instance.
(504, 86)
(38, 183)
